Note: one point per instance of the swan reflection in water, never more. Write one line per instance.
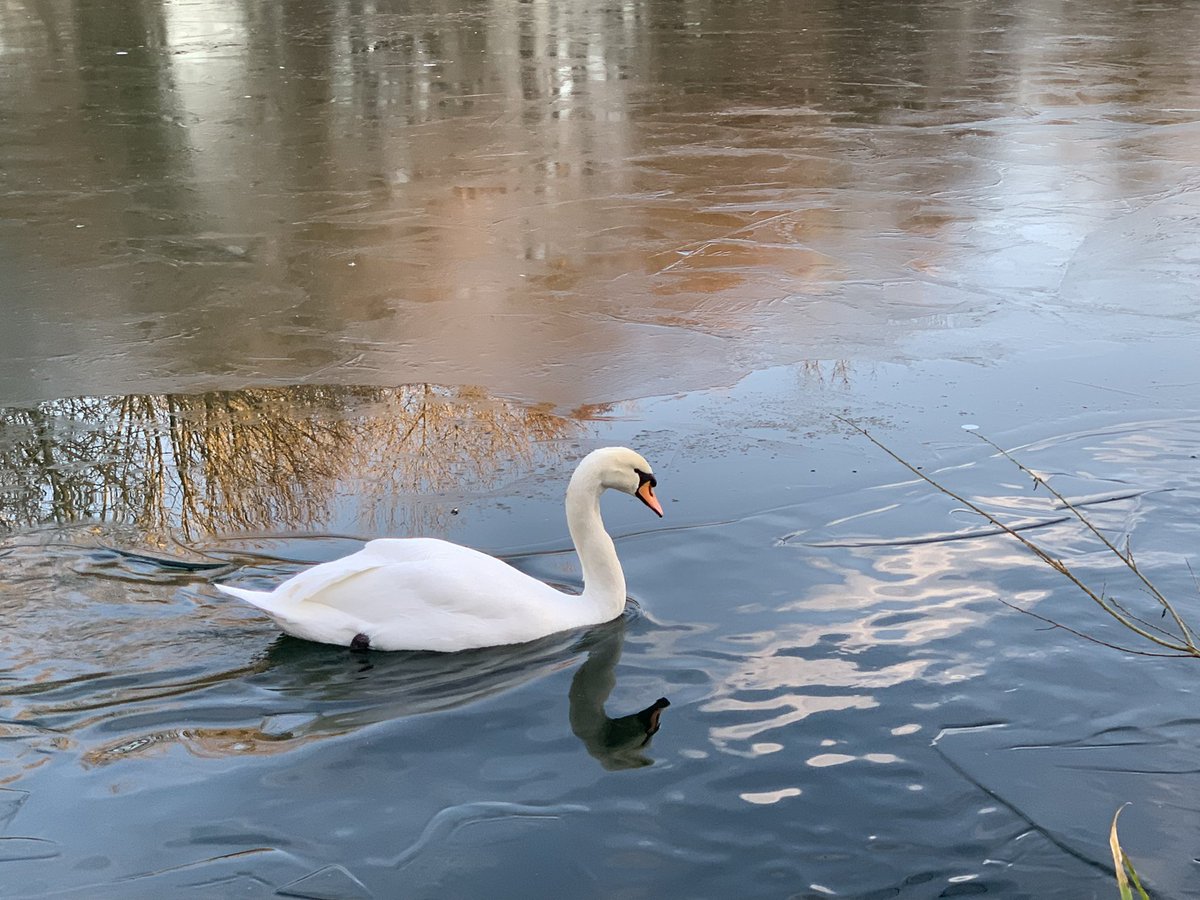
(617, 743)
(308, 692)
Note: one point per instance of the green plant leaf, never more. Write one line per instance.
(1122, 864)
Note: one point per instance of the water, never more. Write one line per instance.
(281, 280)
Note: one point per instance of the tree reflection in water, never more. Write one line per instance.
(274, 459)
(269, 458)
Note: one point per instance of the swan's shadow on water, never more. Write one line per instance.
(344, 690)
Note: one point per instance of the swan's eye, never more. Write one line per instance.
(643, 477)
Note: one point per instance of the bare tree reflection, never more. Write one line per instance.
(255, 459)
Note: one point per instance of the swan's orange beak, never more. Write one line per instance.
(645, 493)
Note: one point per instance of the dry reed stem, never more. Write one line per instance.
(1179, 646)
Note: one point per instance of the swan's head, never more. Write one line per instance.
(623, 470)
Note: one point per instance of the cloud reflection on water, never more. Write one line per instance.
(867, 621)
(898, 577)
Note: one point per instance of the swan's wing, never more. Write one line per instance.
(310, 582)
(386, 551)
(465, 584)
(412, 549)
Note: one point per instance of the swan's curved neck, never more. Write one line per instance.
(603, 580)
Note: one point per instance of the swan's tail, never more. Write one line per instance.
(310, 621)
(261, 599)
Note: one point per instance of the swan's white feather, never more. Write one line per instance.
(416, 593)
(429, 594)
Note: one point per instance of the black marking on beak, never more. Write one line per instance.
(645, 491)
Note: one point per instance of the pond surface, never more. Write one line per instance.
(282, 279)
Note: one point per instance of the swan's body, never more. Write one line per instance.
(428, 594)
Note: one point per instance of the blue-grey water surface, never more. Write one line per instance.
(279, 279)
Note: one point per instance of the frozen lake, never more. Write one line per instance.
(280, 279)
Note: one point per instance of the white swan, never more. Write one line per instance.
(429, 594)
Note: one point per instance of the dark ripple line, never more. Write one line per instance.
(1061, 844)
(1025, 525)
(165, 562)
(181, 867)
(150, 692)
(929, 539)
(1112, 770)
(450, 820)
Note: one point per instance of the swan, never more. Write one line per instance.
(430, 594)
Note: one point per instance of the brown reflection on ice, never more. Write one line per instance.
(266, 459)
(561, 200)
